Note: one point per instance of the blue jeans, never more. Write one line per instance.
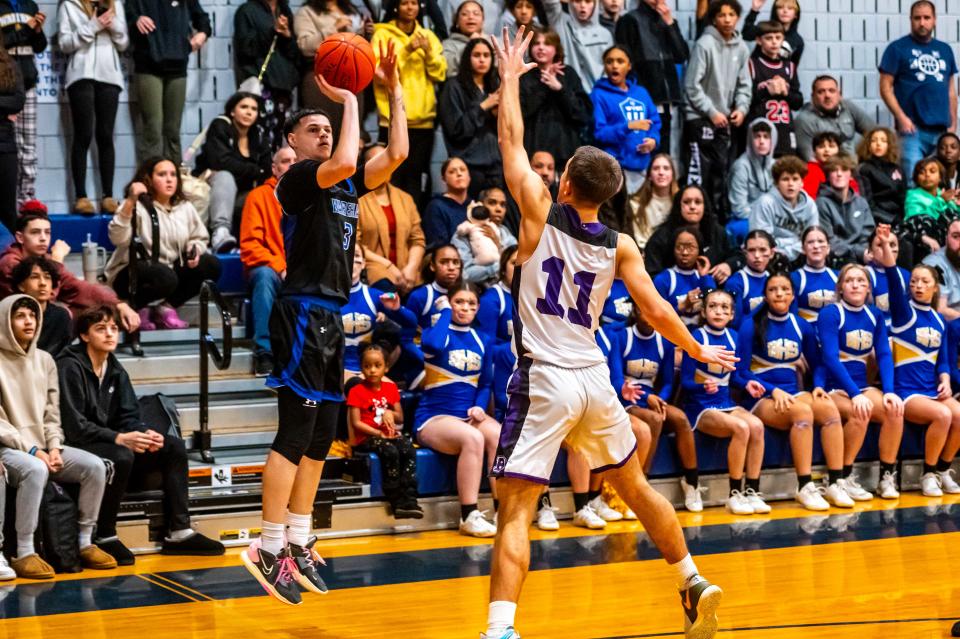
(264, 284)
(917, 146)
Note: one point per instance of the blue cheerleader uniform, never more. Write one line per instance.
(848, 335)
(693, 375)
(813, 290)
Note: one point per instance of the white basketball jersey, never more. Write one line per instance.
(559, 292)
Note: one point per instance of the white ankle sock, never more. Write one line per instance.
(500, 617)
(86, 536)
(271, 537)
(298, 528)
(685, 570)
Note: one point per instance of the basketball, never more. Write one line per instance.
(346, 61)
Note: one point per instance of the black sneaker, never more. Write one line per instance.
(305, 558)
(262, 364)
(274, 572)
(195, 545)
(408, 511)
(700, 602)
(115, 548)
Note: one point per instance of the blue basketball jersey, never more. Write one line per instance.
(848, 336)
(674, 283)
(813, 290)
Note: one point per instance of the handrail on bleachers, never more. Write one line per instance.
(202, 439)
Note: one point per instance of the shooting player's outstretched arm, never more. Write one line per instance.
(343, 163)
(525, 186)
(381, 167)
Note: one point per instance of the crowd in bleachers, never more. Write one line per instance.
(823, 248)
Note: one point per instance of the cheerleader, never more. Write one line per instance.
(747, 284)
(710, 409)
(851, 331)
(922, 367)
(683, 284)
(442, 272)
(773, 345)
(618, 306)
(814, 284)
(877, 272)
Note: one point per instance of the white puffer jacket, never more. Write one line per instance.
(93, 52)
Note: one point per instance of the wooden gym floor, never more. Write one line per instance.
(885, 570)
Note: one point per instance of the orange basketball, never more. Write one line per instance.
(346, 61)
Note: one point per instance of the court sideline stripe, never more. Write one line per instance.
(177, 584)
(160, 584)
(824, 624)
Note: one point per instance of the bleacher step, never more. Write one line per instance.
(231, 414)
(189, 387)
(178, 361)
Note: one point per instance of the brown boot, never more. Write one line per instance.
(95, 559)
(109, 205)
(84, 206)
(31, 567)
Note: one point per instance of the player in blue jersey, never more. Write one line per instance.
(561, 390)
(922, 361)
(851, 332)
(880, 291)
(711, 410)
(746, 285)
(683, 284)
(775, 346)
(814, 283)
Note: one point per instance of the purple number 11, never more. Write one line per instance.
(549, 304)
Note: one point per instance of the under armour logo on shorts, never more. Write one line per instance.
(323, 330)
(310, 403)
(499, 464)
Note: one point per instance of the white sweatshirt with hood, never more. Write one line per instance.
(583, 42)
(93, 51)
(751, 175)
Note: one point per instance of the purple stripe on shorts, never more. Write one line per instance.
(619, 464)
(518, 405)
(530, 478)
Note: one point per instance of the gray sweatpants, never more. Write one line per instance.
(29, 475)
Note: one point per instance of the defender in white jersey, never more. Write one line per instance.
(566, 264)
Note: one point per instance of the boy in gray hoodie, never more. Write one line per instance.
(844, 214)
(583, 38)
(751, 176)
(786, 210)
(718, 89)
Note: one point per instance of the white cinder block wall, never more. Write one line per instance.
(843, 37)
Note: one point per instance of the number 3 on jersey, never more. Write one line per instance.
(347, 234)
(549, 304)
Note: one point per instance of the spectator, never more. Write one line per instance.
(691, 209)
(173, 270)
(164, 35)
(948, 153)
(947, 262)
(313, 22)
(11, 103)
(390, 233)
(21, 23)
(468, 24)
(828, 111)
(441, 272)
(447, 210)
(421, 67)
(263, 29)
(468, 106)
(92, 35)
(650, 206)
(787, 14)
(556, 108)
(826, 145)
(263, 256)
(683, 283)
(100, 414)
(918, 86)
(543, 164)
(928, 210)
(843, 214)
(521, 13)
(612, 10)
(237, 151)
(475, 270)
(32, 443)
(37, 277)
(786, 210)
(652, 38)
(751, 176)
(718, 91)
(625, 121)
(776, 88)
(376, 420)
(883, 183)
(584, 39)
(814, 282)
(32, 238)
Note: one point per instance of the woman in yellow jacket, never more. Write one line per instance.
(422, 67)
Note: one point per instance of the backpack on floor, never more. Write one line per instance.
(160, 413)
(59, 529)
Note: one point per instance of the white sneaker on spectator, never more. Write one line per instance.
(837, 496)
(605, 512)
(547, 518)
(222, 241)
(810, 497)
(755, 499)
(630, 515)
(6, 572)
(476, 525)
(738, 504)
(930, 485)
(887, 488)
(587, 517)
(947, 482)
(853, 488)
(692, 500)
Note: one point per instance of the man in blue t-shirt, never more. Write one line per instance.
(916, 83)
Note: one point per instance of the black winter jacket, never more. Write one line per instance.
(221, 153)
(17, 35)
(469, 131)
(253, 32)
(165, 51)
(658, 254)
(555, 121)
(11, 102)
(655, 49)
(885, 187)
(91, 411)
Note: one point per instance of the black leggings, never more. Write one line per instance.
(93, 108)
(159, 282)
(304, 427)
(398, 460)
